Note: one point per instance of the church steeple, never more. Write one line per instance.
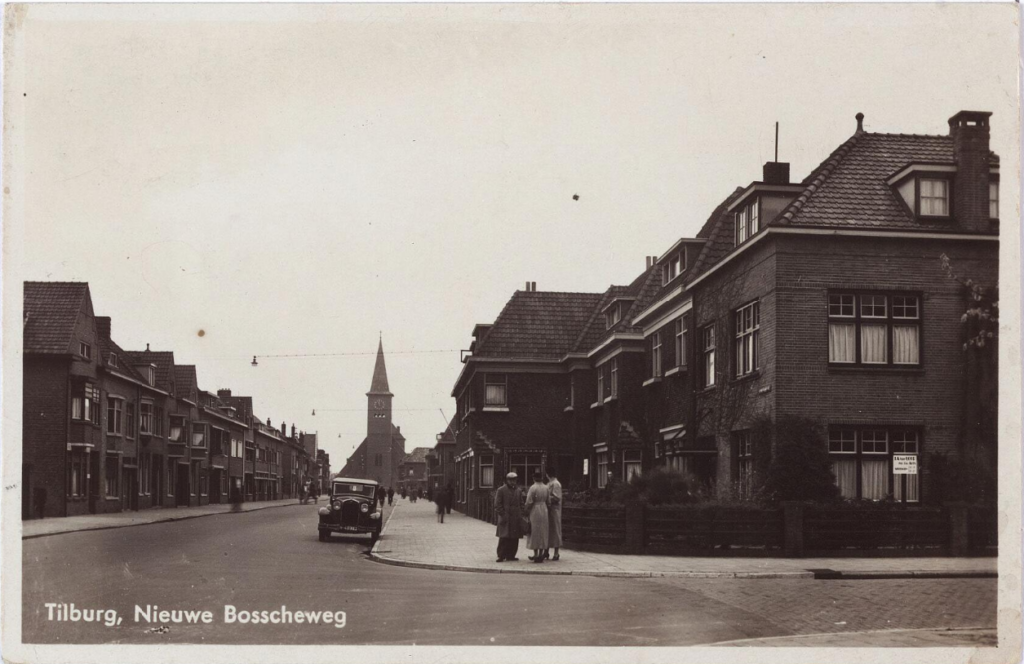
(379, 384)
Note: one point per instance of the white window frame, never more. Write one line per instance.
(708, 350)
(146, 418)
(748, 221)
(615, 377)
(85, 350)
(656, 355)
(486, 461)
(492, 379)
(681, 332)
(192, 437)
(632, 460)
(889, 309)
(748, 331)
(115, 415)
(993, 199)
(943, 197)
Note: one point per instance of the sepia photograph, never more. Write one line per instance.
(442, 332)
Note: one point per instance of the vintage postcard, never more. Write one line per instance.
(462, 332)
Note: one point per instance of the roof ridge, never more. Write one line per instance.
(817, 177)
(903, 134)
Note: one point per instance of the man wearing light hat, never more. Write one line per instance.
(508, 508)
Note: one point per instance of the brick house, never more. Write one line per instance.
(413, 471)
(828, 299)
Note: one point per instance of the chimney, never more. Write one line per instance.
(527, 286)
(776, 172)
(223, 393)
(293, 431)
(970, 133)
(533, 286)
(284, 429)
(103, 326)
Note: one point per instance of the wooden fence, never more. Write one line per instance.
(793, 529)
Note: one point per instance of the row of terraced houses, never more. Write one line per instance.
(107, 429)
(826, 299)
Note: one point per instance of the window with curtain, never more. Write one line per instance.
(872, 329)
(115, 413)
(76, 473)
(934, 197)
(146, 417)
(631, 463)
(602, 469)
(112, 476)
(85, 402)
(486, 471)
(495, 390)
(862, 462)
(177, 429)
(708, 350)
(993, 199)
(748, 326)
(198, 435)
(747, 222)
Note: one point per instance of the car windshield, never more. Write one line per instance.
(348, 488)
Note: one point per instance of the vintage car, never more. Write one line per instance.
(352, 508)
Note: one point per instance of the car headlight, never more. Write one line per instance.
(323, 511)
(375, 515)
(364, 508)
(336, 506)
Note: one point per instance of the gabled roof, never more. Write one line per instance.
(51, 314)
(718, 231)
(849, 188)
(164, 361)
(538, 325)
(418, 455)
(379, 384)
(124, 359)
(185, 381)
(395, 433)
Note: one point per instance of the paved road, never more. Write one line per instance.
(261, 560)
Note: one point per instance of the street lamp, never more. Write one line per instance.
(254, 362)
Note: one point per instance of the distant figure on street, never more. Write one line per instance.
(391, 495)
(508, 511)
(236, 496)
(314, 492)
(537, 510)
(381, 495)
(403, 493)
(450, 491)
(439, 500)
(554, 514)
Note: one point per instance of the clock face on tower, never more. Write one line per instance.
(379, 404)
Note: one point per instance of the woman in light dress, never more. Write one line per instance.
(537, 509)
(554, 514)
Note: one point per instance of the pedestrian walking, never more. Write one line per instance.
(380, 494)
(439, 501)
(554, 514)
(508, 512)
(391, 495)
(450, 490)
(537, 510)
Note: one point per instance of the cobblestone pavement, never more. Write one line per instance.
(414, 538)
(73, 524)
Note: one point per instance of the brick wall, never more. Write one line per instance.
(45, 412)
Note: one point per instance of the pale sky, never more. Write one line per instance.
(298, 179)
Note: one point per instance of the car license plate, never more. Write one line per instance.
(350, 529)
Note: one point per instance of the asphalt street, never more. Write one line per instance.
(263, 560)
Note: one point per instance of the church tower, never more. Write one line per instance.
(380, 464)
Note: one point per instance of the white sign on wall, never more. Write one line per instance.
(586, 466)
(904, 464)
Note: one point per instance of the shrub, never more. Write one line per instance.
(964, 479)
(658, 486)
(800, 468)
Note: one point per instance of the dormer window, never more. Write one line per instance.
(112, 360)
(934, 197)
(674, 267)
(85, 350)
(612, 316)
(748, 221)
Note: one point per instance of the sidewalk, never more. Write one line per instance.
(72, 524)
(413, 538)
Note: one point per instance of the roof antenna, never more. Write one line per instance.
(776, 141)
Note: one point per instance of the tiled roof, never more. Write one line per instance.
(51, 313)
(395, 433)
(418, 455)
(124, 359)
(242, 405)
(185, 379)
(539, 325)
(164, 361)
(849, 188)
(718, 231)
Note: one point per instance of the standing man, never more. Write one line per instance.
(381, 495)
(508, 509)
(554, 513)
(450, 490)
(391, 495)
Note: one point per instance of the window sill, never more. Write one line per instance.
(675, 370)
(753, 375)
(596, 404)
(567, 409)
(112, 498)
(614, 397)
(652, 381)
(871, 369)
(495, 409)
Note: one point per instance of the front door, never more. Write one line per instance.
(130, 490)
(181, 489)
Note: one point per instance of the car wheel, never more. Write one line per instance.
(374, 536)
